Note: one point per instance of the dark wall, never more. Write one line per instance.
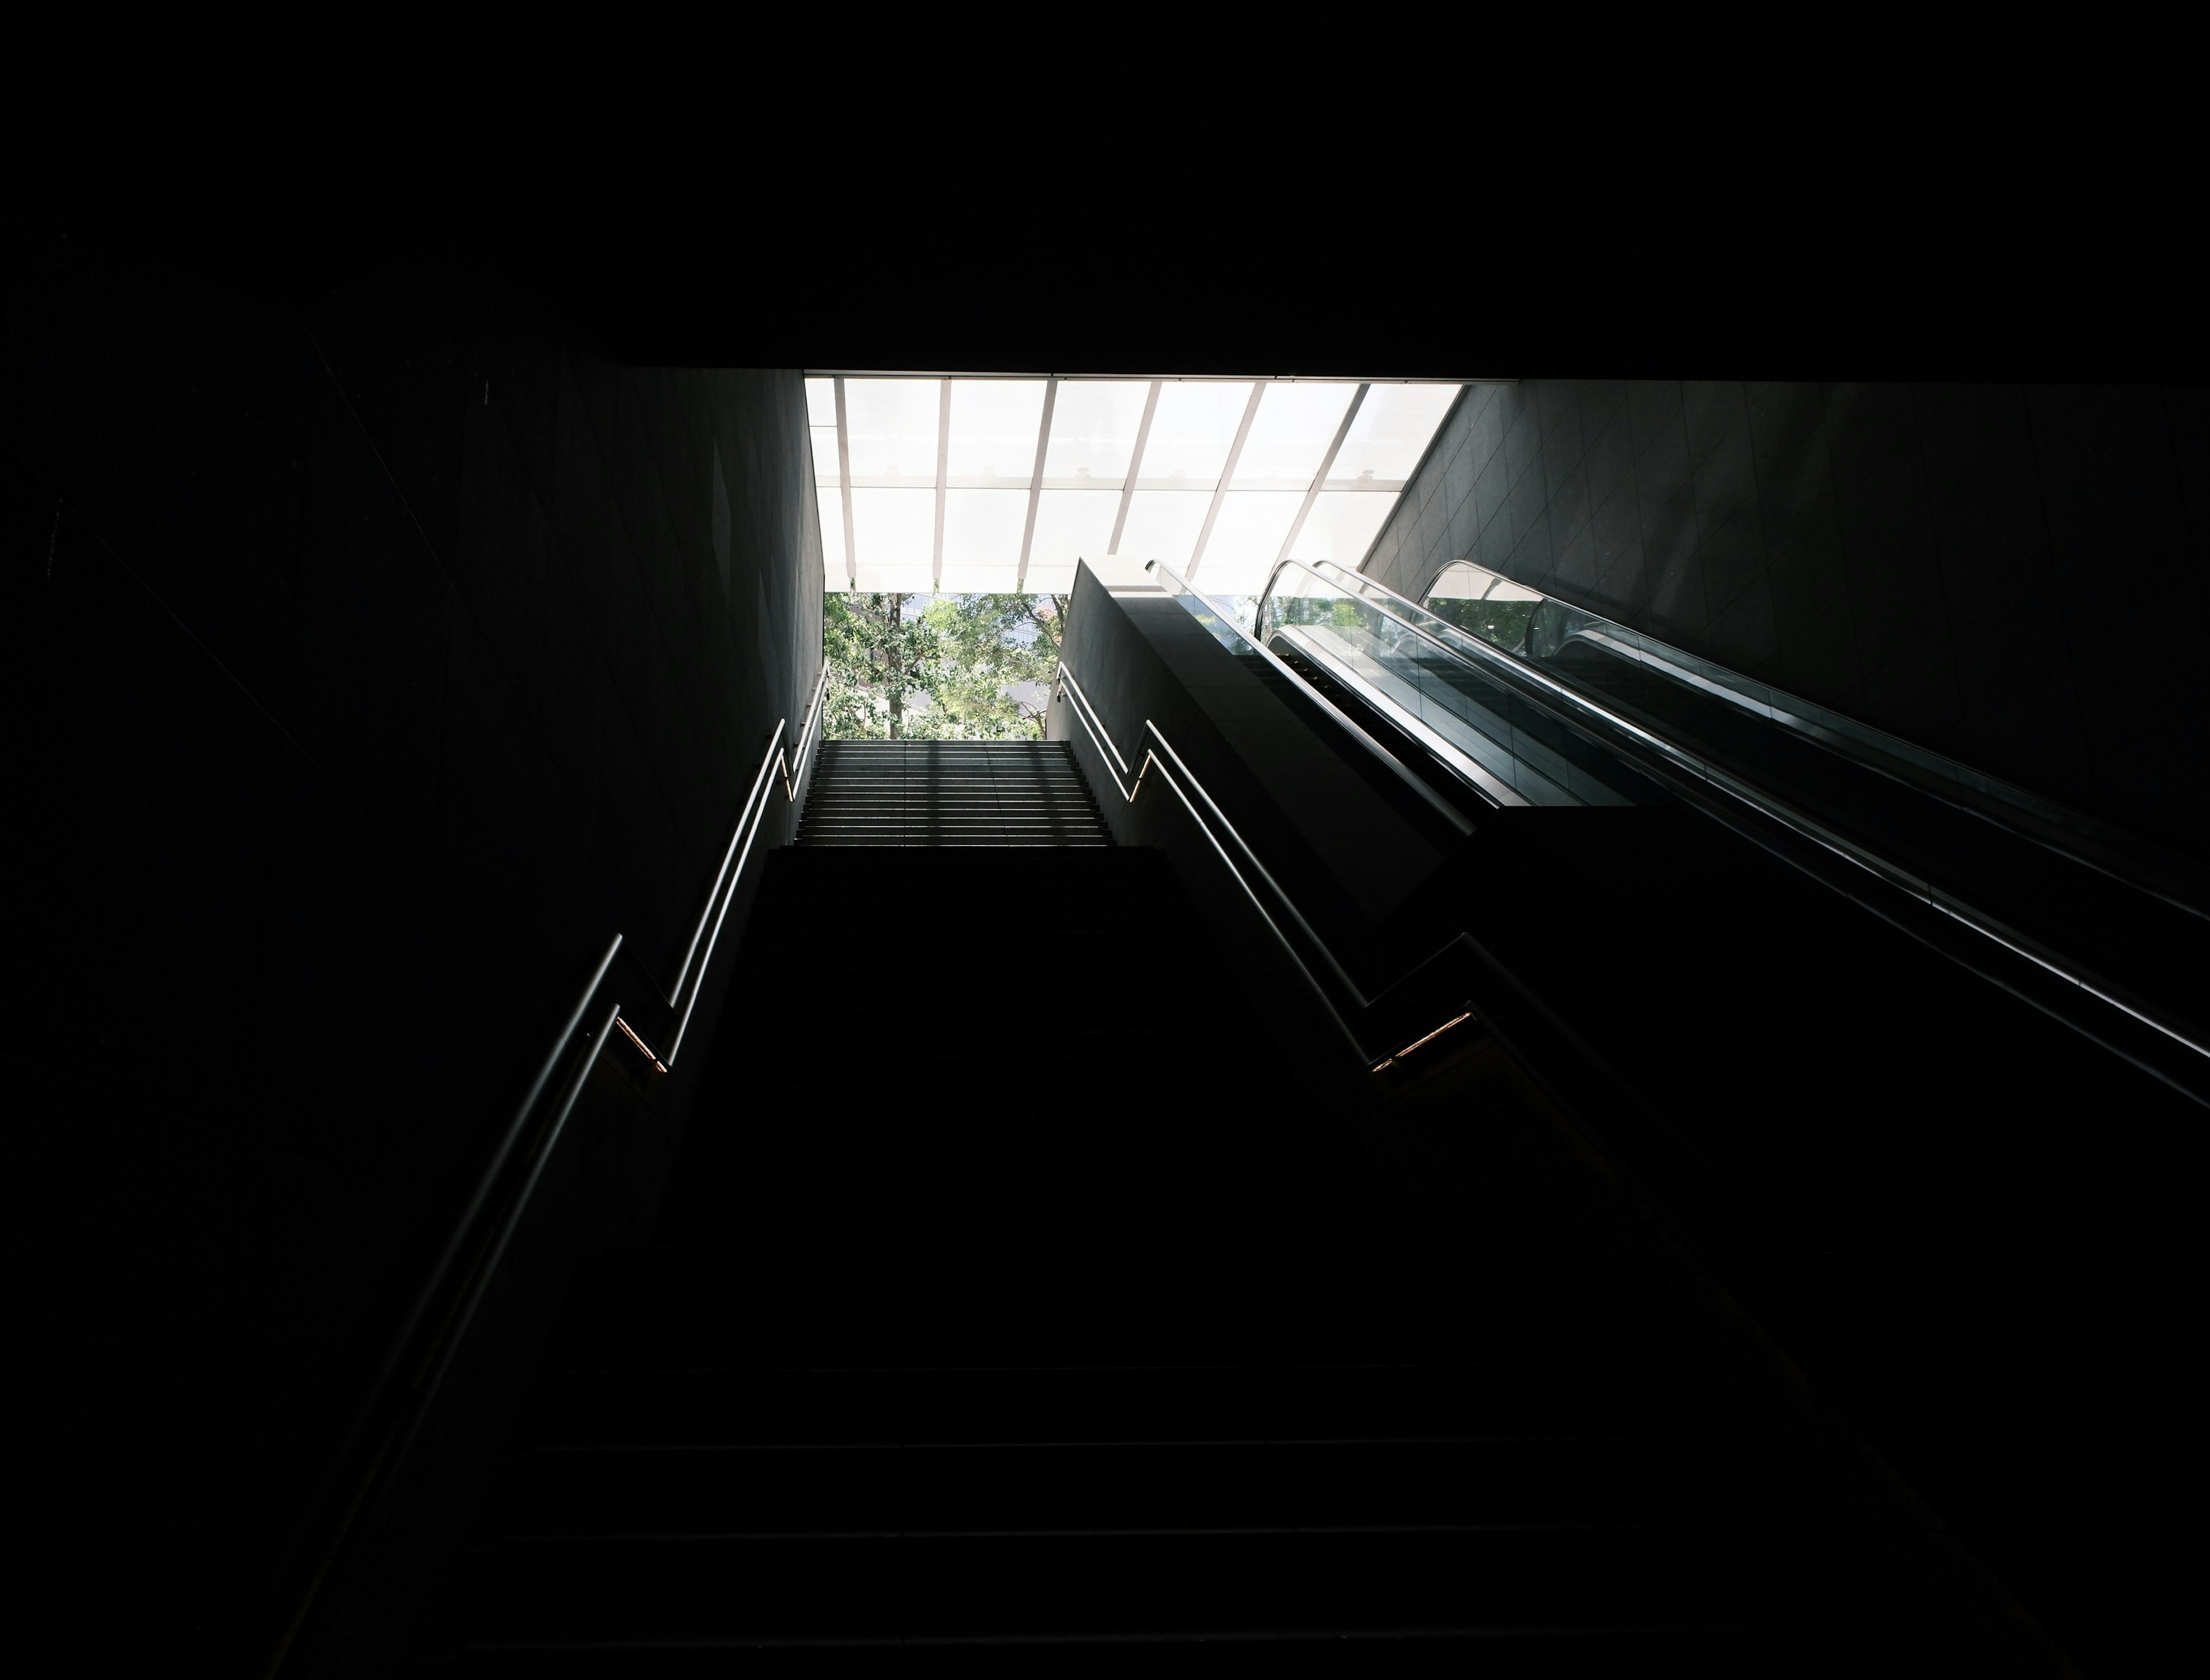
(2003, 573)
(369, 667)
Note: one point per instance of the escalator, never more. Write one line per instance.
(1916, 1058)
(1545, 705)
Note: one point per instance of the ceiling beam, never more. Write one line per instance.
(1319, 478)
(1035, 483)
(844, 479)
(1135, 466)
(1227, 477)
(943, 456)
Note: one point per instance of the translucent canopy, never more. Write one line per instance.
(996, 485)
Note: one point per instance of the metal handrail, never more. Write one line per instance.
(1169, 768)
(1396, 766)
(1601, 720)
(1498, 794)
(359, 1480)
(754, 811)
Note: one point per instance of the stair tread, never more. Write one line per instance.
(1077, 1334)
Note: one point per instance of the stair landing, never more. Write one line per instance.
(950, 792)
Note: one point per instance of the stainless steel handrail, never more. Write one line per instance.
(1396, 766)
(725, 882)
(1171, 766)
(359, 1480)
(1603, 720)
(1498, 792)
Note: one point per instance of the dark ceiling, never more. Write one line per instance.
(768, 205)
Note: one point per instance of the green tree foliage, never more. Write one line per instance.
(940, 668)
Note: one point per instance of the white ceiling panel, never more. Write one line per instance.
(994, 431)
(890, 435)
(964, 577)
(832, 536)
(1250, 528)
(1191, 433)
(1056, 578)
(1163, 524)
(1071, 523)
(1093, 429)
(1391, 432)
(1290, 435)
(894, 527)
(893, 428)
(1342, 525)
(897, 577)
(983, 526)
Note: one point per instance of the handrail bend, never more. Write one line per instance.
(1170, 768)
(734, 857)
(382, 1427)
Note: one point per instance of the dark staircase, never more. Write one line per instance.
(1010, 1297)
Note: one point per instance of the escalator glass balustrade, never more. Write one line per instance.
(1525, 700)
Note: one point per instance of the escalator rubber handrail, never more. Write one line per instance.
(1558, 697)
(1396, 766)
(2134, 860)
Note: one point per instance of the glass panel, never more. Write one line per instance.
(1391, 432)
(824, 455)
(894, 527)
(832, 537)
(1191, 435)
(994, 431)
(1493, 607)
(1093, 430)
(821, 402)
(1290, 435)
(1496, 736)
(1343, 524)
(1163, 524)
(983, 528)
(1071, 523)
(1723, 725)
(892, 423)
(1226, 629)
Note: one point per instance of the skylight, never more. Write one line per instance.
(980, 486)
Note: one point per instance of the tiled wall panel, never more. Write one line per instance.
(2007, 574)
(367, 667)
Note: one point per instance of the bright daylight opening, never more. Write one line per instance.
(954, 512)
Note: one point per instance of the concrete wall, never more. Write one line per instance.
(368, 667)
(2009, 575)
